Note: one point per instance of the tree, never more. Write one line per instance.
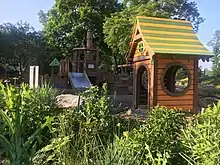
(66, 24)
(118, 27)
(21, 45)
(215, 44)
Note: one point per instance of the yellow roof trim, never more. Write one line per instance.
(165, 26)
(170, 33)
(172, 39)
(182, 45)
(163, 19)
(182, 50)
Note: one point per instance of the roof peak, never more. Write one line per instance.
(162, 19)
(169, 36)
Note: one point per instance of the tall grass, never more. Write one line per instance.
(21, 126)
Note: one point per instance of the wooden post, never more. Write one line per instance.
(134, 87)
(36, 76)
(195, 88)
(31, 77)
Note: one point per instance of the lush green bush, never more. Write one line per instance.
(40, 103)
(82, 128)
(94, 137)
(201, 140)
(19, 129)
(161, 132)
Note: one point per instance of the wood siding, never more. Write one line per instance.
(185, 102)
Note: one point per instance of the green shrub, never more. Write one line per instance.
(85, 127)
(95, 112)
(90, 135)
(161, 132)
(201, 140)
(40, 103)
(18, 141)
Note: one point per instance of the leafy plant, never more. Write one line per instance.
(95, 112)
(83, 128)
(161, 132)
(40, 104)
(17, 143)
(201, 139)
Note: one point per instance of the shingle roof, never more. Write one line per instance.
(169, 36)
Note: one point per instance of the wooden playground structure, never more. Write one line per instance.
(161, 68)
(86, 60)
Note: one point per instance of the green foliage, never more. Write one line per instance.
(125, 152)
(89, 134)
(40, 103)
(66, 24)
(208, 89)
(118, 27)
(18, 141)
(215, 44)
(96, 109)
(79, 129)
(201, 139)
(208, 96)
(21, 46)
(161, 132)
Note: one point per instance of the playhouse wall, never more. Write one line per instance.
(185, 102)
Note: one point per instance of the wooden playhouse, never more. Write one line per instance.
(165, 55)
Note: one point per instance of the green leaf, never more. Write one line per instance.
(34, 135)
(7, 144)
(7, 121)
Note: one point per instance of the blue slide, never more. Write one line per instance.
(79, 81)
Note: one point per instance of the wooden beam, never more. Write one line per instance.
(155, 86)
(137, 37)
(131, 49)
(134, 86)
(125, 65)
(195, 86)
(140, 58)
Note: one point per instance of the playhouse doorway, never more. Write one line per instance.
(142, 87)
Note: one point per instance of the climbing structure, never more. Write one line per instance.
(83, 60)
(165, 54)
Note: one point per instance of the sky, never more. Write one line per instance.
(26, 10)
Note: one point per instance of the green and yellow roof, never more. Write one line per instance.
(169, 36)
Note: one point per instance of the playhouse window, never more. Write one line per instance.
(140, 47)
(176, 79)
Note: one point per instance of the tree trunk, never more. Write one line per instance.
(116, 63)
